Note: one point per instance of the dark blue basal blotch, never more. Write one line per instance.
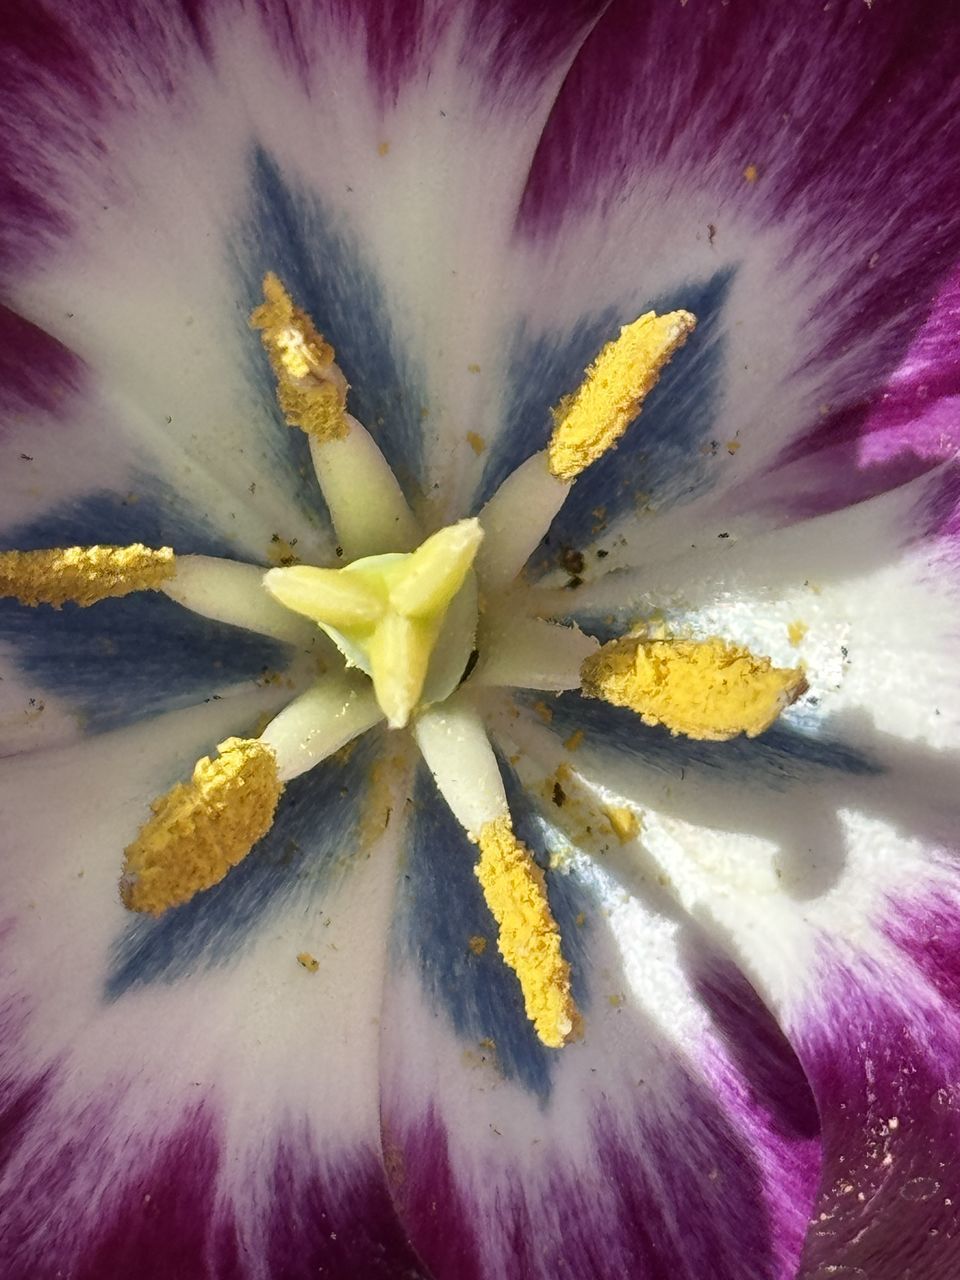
(121, 660)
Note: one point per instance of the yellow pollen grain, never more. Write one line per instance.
(575, 741)
(477, 944)
(311, 390)
(625, 823)
(83, 575)
(796, 631)
(202, 828)
(751, 173)
(308, 962)
(529, 940)
(709, 690)
(591, 420)
(476, 442)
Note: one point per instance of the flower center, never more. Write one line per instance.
(386, 614)
(408, 614)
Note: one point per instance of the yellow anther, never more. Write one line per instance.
(706, 689)
(529, 940)
(386, 612)
(83, 575)
(202, 828)
(311, 390)
(592, 419)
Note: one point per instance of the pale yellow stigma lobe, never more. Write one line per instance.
(83, 575)
(529, 940)
(202, 828)
(311, 390)
(592, 419)
(708, 689)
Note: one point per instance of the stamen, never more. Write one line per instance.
(592, 419)
(710, 689)
(586, 424)
(202, 828)
(515, 890)
(311, 390)
(367, 506)
(318, 723)
(458, 753)
(83, 575)
(528, 653)
(516, 519)
(229, 591)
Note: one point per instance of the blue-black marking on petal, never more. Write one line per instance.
(660, 456)
(318, 258)
(120, 660)
(776, 758)
(441, 906)
(310, 841)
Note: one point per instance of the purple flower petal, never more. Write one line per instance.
(215, 1114)
(813, 157)
(678, 1138)
(867, 598)
(880, 1048)
(797, 173)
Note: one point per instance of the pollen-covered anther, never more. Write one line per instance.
(706, 689)
(202, 828)
(529, 940)
(83, 575)
(592, 419)
(311, 390)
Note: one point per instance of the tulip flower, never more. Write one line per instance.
(478, 597)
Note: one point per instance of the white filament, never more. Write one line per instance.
(228, 591)
(367, 506)
(325, 718)
(455, 746)
(528, 653)
(515, 520)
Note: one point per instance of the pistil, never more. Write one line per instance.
(386, 613)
